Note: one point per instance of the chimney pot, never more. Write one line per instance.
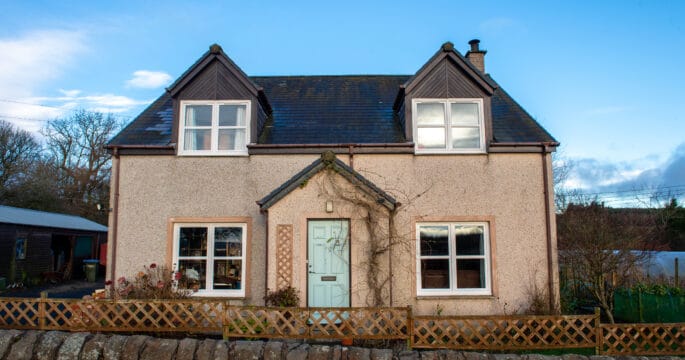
(474, 45)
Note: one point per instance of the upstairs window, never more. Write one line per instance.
(214, 127)
(448, 125)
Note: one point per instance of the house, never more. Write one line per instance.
(35, 244)
(432, 190)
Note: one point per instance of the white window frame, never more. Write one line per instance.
(453, 258)
(209, 272)
(447, 125)
(214, 151)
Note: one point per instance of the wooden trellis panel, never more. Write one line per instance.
(284, 256)
(505, 332)
(643, 339)
(332, 323)
(19, 313)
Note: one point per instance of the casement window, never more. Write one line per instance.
(210, 258)
(448, 125)
(214, 127)
(453, 259)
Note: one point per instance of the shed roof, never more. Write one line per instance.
(19, 216)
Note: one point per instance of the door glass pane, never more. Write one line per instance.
(198, 115)
(197, 139)
(227, 275)
(232, 139)
(431, 138)
(192, 241)
(193, 274)
(469, 240)
(434, 240)
(435, 274)
(465, 114)
(466, 138)
(470, 273)
(430, 114)
(232, 115)
(228, 241)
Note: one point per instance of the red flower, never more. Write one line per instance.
(121, 280)
(177, 275)
(108, 282)
(153, 265)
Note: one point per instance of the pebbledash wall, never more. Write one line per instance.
(504, 189)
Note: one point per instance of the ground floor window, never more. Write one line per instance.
(210, 257)
(453, 258)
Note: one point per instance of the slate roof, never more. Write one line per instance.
(332, 109)
(328, 161)
(19, 216)
(354, 109)
(152, 127)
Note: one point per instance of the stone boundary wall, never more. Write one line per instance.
(58, 345)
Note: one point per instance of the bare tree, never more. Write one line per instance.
(18, 151)
(75, 147)
(601, 250)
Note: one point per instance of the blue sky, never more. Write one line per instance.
(605, 78)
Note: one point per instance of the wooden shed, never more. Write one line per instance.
(38, 245)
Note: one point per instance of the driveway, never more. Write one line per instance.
(72, 289)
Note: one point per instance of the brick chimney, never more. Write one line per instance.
(476, 56)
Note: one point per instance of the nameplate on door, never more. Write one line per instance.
(328, 278)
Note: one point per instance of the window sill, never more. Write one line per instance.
(218, 295)
(213, 154)
(450, 152)
(455, 296)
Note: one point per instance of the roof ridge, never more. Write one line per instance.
(343, 75)
(45, 212)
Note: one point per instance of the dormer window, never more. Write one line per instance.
(214, 127)
(448, 125)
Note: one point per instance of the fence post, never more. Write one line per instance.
(224, 321)
(41, 310)
(598, 332)
(410, 327)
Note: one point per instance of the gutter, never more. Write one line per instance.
(115, 212)
(548, 224)
(334, 145)
(114, 147)
(266, 255)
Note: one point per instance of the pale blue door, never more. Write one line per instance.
(328, 263)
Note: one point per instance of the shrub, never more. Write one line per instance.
(286, 297)
(156, 282)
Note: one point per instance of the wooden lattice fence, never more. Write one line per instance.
(365, 323)
(204, 316)
(505, 332)
(211, 316)
(643, 339)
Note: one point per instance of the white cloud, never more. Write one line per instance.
(149, 79)
(607, 110)
(27, 63)
(36, 59)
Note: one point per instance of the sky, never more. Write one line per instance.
(605, 78)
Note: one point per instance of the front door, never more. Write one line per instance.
(328, 263)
